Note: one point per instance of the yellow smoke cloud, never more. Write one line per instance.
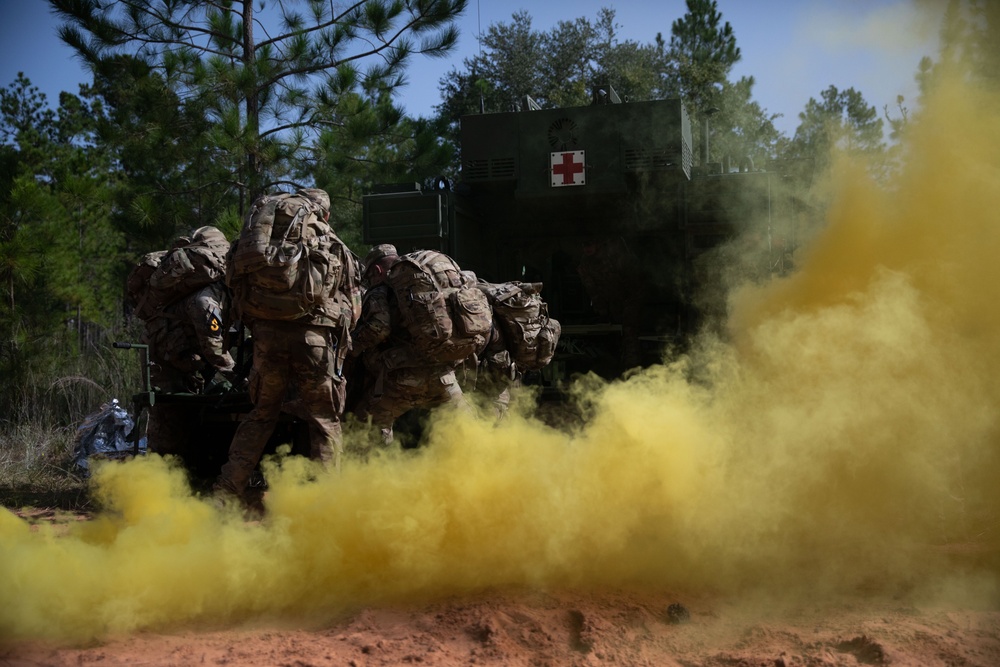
(845, 433)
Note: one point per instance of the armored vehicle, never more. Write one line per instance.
(604, 205)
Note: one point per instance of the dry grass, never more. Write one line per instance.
(36, 468)
(37, 435)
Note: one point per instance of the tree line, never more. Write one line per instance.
(195, 108)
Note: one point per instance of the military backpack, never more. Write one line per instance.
(446, 316)
(529, 334)
(163, 278)
(287, 262)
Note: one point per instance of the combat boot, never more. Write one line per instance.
(224, 496)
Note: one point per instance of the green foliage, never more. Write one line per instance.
(561, 67)
(741, 129)
(700, 56)
(557, 68)
(28, 123)
(60, 254)
(256, 103)
(373, 143)
(26, 213)
(841, 120)
(171, 161)
(701, 36)
(969, 52)
(702, 51)
(970, 46)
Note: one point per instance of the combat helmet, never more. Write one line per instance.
(318, 196)
(208, 235)
(378, 252)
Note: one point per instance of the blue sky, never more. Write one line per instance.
(794, 49)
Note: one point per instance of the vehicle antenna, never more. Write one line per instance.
(479, 38)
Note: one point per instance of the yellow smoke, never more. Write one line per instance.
(845, 439)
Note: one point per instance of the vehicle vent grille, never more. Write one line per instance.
(491, 169)
(652, 159)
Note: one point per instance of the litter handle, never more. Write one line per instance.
(128, 346)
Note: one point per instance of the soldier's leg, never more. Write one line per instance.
(268, 387)
(339, 392)
(501, 404)
(368, 395)
(383, 407)
(406, 389)
(321, 394)
(447, 391)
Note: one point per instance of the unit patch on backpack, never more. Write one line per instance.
(286, 262)
(530, 335)
(447, 317)
(164, 277)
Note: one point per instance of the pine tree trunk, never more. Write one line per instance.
(253, 111)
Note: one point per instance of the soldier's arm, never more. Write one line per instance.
(375, 324)
(206, 313)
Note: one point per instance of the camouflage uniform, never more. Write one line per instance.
(289, 356)
(491, 373)
(188, 345)
(297, 367)
(397, 379)
(406, 389)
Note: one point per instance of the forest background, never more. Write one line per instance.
(193, 111)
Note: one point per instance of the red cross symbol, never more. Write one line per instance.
(568, 168)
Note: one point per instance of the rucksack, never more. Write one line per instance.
(529, 334)
(138, 283)
(286, 262)
(173, 340)
(446, 316)
(160, 280)
(350, 290)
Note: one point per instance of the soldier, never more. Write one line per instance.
(491, 373)
(303, 355)
(194, 353)
(404, 382)
(523, 338)
(186, 327)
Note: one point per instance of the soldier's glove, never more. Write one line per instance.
(223, 382)
(236, 382)
(219, 385)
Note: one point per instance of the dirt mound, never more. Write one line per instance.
(572, 628)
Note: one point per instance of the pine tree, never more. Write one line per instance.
(842, 120)
(561, 67)
(272, 82)
(970, 46)
(557, 68)
(701, 54)
(702, 51)
(60, 255)
(170, 172)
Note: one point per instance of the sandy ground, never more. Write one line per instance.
(565, 627)
(571, 628)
